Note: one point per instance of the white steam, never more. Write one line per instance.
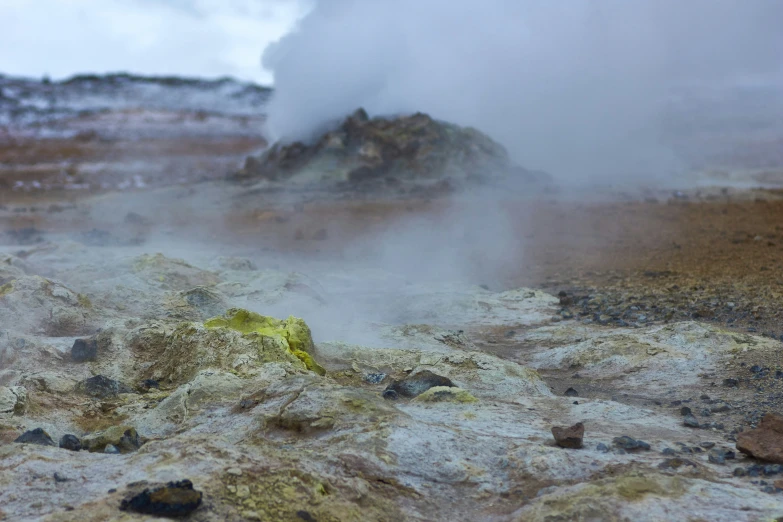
(576, 87)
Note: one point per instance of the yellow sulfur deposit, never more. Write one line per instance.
(292, 331)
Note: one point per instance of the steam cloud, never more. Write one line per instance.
(577, 88)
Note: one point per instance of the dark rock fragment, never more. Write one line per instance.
(717, 457)
(603, 448)
(102, 387)
(570, 437)
(36, 436)
(690, 421)
(731, 383)
(70, 442)
(59, 477)
(630, 444)
(175, 499)
(685, 411)
(414, 385)
(84, 350)
(773, 469)
(570, 392)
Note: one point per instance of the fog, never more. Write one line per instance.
(577, 88)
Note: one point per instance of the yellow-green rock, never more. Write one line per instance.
(293, 332)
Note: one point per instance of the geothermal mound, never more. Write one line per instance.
(394, 151)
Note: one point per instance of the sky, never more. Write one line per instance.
(205, 38)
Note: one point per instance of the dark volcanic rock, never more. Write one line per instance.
(414, 385)
(101, 387)
(630, 444)
(570, 437)
(175, 499)
(766, 441)
(387, 151)
(570, 392)
(36, 436)
(84, 350)
(70, 442)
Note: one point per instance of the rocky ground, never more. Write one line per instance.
(228, 350)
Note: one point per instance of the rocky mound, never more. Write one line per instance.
(387, 151)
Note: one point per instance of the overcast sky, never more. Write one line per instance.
(206, 38)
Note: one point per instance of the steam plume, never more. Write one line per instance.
(577, 87)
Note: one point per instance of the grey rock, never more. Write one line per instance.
(70, 442)
(36, 436)
(691, 421)
(630, 444)
(415, 385)
(102, 387)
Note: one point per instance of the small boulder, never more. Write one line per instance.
(766, 441)
(102, 387)
(71, 442)
(36, 436)
(570, 437)
(691, 421)
(570, 392)
(414, 385)
(84, 350)
(175, 499)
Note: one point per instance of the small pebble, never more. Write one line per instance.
(690, 421)
(111, 448)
